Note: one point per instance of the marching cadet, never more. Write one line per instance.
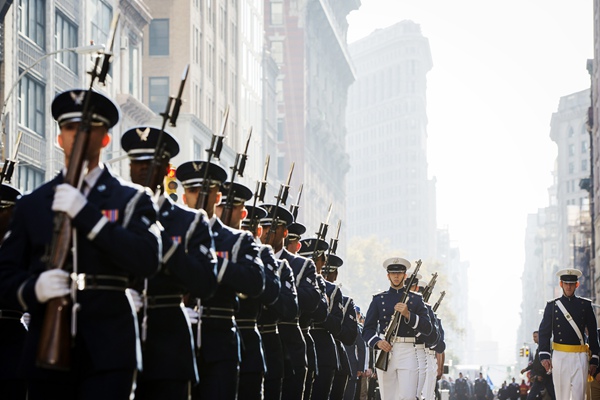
(309, 297)
(427, 384)
(566, 320)
(400, 379)
(292, 241)
(240, 270)
(285, 306)
(189, 266)
(116, 237)
(12, 329)
(347, 335)
(316, 321)
(252, 367)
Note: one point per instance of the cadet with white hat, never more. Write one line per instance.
(401, 378)
(566, 320)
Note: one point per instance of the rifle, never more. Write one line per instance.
(294, 208)
(322, 233)
(9, 165)
(437, 303)
(156, 173)
(392, 328)
(281, 197)
(333, 242)
(429, 288)
(216, 145)
(54, 350)
(259, 195)
(238, 169)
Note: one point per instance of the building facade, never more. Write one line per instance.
(388, 189)
(307, 40)
(568, 129)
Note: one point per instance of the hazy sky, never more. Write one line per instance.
(499, 70)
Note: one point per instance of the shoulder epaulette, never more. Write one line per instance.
(378, 293)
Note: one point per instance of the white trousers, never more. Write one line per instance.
(569, 374)
(422, 366)
(430, 378)
(400, 380)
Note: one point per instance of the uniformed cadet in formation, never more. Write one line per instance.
(426, 387)
(116, 238)
(240, 270)
(292, 241)
(563, 346)
(252, 367)
(401, 378)
(189, 266)
(420, 347)
(348, 333)
(319, 326)
(284, 307)
(309, 296)
(12, 325)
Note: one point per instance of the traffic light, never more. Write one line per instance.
(171, 184)
(527, 352)
(522, 352)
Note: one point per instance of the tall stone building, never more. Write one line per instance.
(569, 132)
(389, 193)
(39, 60)
(594, 126)
(308, 42)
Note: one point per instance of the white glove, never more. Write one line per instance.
(68, 199)
(136, 298)
(52, 283)
(193, 315)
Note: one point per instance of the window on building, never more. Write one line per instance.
(159, 37)
(280, 130)
(101, 19)
(32, 104)
(277, 51)
(570, 132)
(158, 93)
(32, 20)
(571, 168)
(276, 13)
(134, 68)
(584, 147)
(30, 178)
(198, 151)
(65, 36)
(584, 165)
(222, 22)
(209, 11)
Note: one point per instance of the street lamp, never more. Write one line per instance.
(94, 48)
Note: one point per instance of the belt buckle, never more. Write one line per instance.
(79, 280)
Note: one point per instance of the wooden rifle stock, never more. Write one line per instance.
(54, 349)
(392, 328)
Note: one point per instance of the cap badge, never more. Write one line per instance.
(77, 98)
(309, 243)
(143, 134)
(197, 167)
(396, 261)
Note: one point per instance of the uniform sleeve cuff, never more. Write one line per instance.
(374, 340)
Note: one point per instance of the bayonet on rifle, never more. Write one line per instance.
(294, 208)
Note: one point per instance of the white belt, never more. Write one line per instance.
(420, 346)
(402, 339)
